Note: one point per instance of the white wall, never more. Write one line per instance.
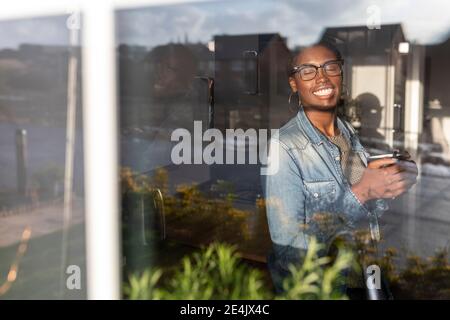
(414, 98)
(377, 80)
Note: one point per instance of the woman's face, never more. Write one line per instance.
(322, 92)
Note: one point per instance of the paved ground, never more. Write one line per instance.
(419, 222)
(39, 273)
(42, 219)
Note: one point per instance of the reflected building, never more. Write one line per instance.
(251, 87)
(436, 140)
(375, 73)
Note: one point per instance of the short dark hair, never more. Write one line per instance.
(329, 44)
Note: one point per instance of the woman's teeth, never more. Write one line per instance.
(323, 92)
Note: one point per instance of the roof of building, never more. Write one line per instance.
(362, 38)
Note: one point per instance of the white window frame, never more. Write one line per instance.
(100, 125)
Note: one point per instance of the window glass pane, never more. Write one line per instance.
(42, 253)
(192, 74)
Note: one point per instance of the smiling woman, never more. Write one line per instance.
(200, 91)
(194, 75)
(324, 92)
(322, 162)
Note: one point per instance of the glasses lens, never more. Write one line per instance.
(308, 73)
(333, 69)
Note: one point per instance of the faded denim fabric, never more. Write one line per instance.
(309, 194)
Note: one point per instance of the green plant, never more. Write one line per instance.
(318, 278)
(214, 273)
(214, 218)
(143, 287)
(421, 278)
(218, 273)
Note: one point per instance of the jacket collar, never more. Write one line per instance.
(315, 137)
(310, 131)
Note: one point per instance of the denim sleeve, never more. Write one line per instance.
(378, 207)
(284, 195)
(349, 204)
(285, 199)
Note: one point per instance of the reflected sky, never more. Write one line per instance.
(43, 31)
(301, 21)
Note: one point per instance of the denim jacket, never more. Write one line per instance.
(308, 181)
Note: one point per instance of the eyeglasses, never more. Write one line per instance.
(309, 71)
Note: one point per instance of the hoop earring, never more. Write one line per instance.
(298, 97)
(345, 96)
(290, 96)
(291, 107)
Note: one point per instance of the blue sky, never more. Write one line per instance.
(301, 21)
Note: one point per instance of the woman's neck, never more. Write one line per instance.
(324, 121)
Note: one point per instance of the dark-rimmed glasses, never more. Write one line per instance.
(307, 72)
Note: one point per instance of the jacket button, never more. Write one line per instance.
(338, 158)
(316, 195)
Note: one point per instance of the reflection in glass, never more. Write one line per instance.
(193, 62)
(40, 237)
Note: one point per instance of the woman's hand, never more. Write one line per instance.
(385, 178)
